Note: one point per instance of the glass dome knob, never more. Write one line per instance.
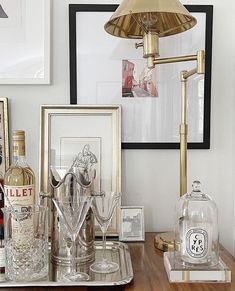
(196, 186)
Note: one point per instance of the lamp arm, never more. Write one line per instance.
(184, 128)
(199, 57)
(186, 74)
(175, 59)
(200, 69)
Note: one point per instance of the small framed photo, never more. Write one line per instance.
(132, 223)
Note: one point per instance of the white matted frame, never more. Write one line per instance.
(25, 42)
(148, 122)
(4, 136)
(132, 223)
(98, 126)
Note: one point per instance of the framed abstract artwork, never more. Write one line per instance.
(109, 70)
(25, 42)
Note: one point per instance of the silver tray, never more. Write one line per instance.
(115, 251)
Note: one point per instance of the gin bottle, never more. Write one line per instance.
(196, 231)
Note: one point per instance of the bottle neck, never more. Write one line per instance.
(19, 160)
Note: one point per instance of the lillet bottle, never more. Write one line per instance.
(19, 180)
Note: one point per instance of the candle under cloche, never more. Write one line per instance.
(196, 255)
(196, 230)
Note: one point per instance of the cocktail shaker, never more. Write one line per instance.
(73, 184)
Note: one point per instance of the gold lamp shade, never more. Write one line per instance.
(134, 18)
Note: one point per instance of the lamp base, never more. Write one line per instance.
(164, 241)
(181, 274)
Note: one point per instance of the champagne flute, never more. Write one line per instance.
(72, 215)
(103, 206)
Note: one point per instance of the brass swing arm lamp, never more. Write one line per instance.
(165, 241)
(150, 20)
(150, 52)
(200, 69)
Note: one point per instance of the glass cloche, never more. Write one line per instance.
(196, 229)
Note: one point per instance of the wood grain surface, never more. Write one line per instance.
(150, 274)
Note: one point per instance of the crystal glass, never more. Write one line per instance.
(72, 214)
(26, 243)
(196, 229)
(103, 207)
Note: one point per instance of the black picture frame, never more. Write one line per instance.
(208, 10)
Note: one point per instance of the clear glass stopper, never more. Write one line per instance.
(196, 186)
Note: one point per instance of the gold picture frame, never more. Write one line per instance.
(4, 137)
(62, 131)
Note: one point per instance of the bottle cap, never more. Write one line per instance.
(18, 135)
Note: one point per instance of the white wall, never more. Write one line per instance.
(151, 177)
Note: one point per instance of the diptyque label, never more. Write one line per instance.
(197, 242)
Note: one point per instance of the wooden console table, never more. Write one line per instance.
(149, 273)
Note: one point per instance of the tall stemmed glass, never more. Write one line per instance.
(72, 214)
(103, 206)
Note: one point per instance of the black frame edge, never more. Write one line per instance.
(208, 9)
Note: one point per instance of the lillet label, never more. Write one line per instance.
(19, 191)
(20, 195)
